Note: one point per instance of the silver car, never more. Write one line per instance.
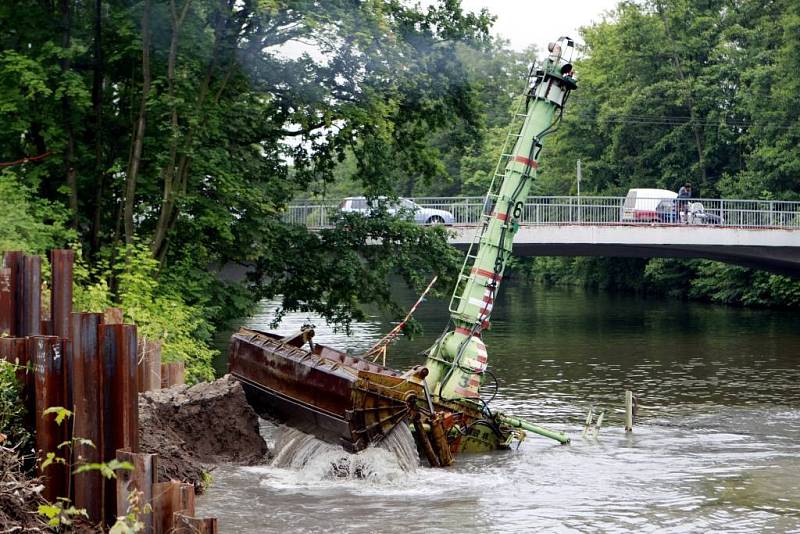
(402, 207)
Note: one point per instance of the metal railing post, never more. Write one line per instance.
(772, 213)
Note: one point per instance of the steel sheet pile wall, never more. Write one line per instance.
(149, 356)
(87, 396)
(91, 365)
(120, 397)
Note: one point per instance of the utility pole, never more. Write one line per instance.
(580, 173)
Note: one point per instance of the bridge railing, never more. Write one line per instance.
(589, 210)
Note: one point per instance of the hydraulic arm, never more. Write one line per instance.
(458, 360)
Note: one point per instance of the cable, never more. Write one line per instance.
(654, 120)
(496, 388)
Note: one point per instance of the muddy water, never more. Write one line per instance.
(716, 447)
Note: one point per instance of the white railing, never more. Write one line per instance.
(468, 211)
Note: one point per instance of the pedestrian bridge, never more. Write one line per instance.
(751, 233)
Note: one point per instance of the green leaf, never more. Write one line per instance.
(61, 413)
(106, 469)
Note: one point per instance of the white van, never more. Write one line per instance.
(647, 205)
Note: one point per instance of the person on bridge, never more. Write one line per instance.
(683, 205)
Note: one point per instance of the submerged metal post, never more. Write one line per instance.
(599, 424)
(628, 411)
(588, 423)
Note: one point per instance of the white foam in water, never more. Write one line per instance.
(314, 460)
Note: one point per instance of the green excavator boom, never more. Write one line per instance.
(457, 361)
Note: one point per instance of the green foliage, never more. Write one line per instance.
(61, 513)
(391, 99)
(27, 222)
(51, 458)
(107, 469)
(367, 250)
(207, 481)
(670, 276)
(158, 309)
(12, 409)
(235, 125)
(694, 279)
(130, 523)
(61, 413)
(727, 284)
(602, 273)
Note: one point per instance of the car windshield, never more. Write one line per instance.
(407, 204)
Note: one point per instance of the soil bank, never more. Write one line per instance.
(192, 428)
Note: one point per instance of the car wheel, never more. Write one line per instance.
(435, 220)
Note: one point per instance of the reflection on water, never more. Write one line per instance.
(716, 446)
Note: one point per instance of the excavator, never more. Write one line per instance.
(356, 402)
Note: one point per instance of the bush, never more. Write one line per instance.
(29, 223)
(12, 409)
(156, 308)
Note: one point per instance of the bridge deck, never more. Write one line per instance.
(754, 233)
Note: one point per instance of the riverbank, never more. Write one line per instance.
(695, 280)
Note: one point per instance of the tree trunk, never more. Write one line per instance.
(97, 106)
(66, 109)
(168, 173)
(138, 133)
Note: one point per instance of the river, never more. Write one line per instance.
(716, 446)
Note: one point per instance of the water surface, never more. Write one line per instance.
(716, 446)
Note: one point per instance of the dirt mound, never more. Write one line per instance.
(20, 496)
(190, 427)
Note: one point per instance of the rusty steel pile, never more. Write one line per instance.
(91, 364)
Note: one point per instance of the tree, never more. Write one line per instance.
(189, 124)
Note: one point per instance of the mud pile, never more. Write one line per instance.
(192, 427)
